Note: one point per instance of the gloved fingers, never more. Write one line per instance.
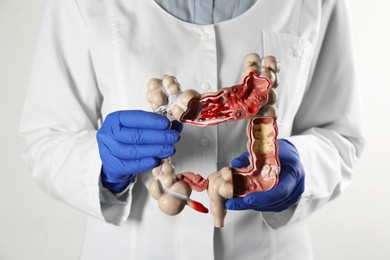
(128, 152)
(296, 195)
(285, 194)
(288, 202)
(141, 165)
(115, 177)
(273, 196)
(115, 187)
(237, 204)
(282, 206)
(287, 149)
(271, 200)
(145, 136)
(289, 182)
(176, 125)
(118, 169)
(241, 161)
(141, 119)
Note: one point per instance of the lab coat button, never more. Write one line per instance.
(205, 142)
(296, 52)
(205, 86)
(204, 36)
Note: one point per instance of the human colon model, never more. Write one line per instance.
(253, 100)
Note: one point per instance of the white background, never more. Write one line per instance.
(356, 226)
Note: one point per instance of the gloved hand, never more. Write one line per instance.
(132, 142)
(287, 192)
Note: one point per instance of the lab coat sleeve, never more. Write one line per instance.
(61, 115)
(327, 130)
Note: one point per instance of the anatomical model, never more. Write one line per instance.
(253, 100)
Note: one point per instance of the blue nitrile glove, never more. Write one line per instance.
(282, 196)
(132, 142)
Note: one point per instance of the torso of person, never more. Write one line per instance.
(133, 41)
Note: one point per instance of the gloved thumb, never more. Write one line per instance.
(241, 161)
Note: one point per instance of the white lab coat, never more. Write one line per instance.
(95, 57)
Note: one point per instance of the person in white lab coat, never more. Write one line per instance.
(94, 58)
